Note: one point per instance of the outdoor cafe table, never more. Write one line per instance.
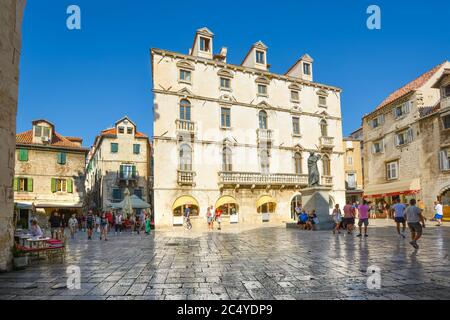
(38, 243)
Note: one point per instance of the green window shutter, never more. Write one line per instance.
(23, 154)
(70, 186)
(62, 156)
(30, 185)
(136, 148)
(53, 185)
(133, 170)
(114, 147)
(16, 184)
(58, 157)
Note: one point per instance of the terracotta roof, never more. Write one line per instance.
(412, 86)
(57, 140)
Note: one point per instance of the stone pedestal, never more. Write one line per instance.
(318, 198)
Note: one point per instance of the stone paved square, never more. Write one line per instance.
(271, 262)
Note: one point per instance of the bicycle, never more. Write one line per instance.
(187, 223)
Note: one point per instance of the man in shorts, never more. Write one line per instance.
(416, 222)
(363, 216)
(90, 224)
(399, 217)
(349, 217)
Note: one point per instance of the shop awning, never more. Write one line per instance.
(264, 200)
(404, 187)
(23, 205)
(225, 200)
(181, 201)
(59, 205)
(136, 203)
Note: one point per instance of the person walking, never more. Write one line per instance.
(219, 218)
(103, 226)
(147, 223)
(399, 217)
(90, 224)
(209, 217)
(363, 217)
(110, 219)
(55, 224)
(349, 217)
(73, 225)
(118, 223)
(416, 222)
(439, 210)
(337, 217)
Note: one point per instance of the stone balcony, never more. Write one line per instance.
(254, 179)
(184, 126)
(265, 136)
(186, 178)
(327, 142)
(326, 181)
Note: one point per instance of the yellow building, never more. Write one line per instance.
(353, 170)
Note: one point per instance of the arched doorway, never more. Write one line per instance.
(296, 205)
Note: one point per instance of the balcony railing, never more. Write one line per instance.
(186, 178)
(256, 178)
(327, 181)
(185, 126)
(264, 135)
(327, 142)
(127, 176)
(445, 103)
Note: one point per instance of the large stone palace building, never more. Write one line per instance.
(401, 154)
(119, 159)
(49, 173)
(238, 136)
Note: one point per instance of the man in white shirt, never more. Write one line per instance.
(439, 212)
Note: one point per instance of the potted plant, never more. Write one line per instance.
(20, 258)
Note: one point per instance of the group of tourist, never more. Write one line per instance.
(402, 215)
(214, 216)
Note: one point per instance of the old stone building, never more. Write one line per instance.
(119, 158)
(395, 165)
(49, 173)
(353, 170)
(11, 13)
(238, 136)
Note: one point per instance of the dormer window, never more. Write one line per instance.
(307, 69)
(185, 76)
(121, 130)
(260, 57)
(205, 44)
(41, 131)
(129, 130)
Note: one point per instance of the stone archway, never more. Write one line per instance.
(11, 14)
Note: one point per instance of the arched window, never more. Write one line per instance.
(326, 166)
(324, 128)
(185, 110)
(298, 163)
(264, 161)
(262, 119)
(226, 160)
(185, 158)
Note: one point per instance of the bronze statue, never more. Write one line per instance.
(313, 170)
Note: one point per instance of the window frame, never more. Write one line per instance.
(295, 95)
(306, 68)
(185, 113)
(185, 166)
(446, 122)
(114, 147)
(61, 158)
(296, 125)
(260, 57)
(390, 169)
(264, 93)
(227, 159)
(185, 72)
(225, 80)
(204, 44)
(326, 166)
(323, 105)
(263, 120)
(136, 148)
(225, 117)
(298, 165)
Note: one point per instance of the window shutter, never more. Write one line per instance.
(121, 170)
(63, 158)
(133, 170)
(373, 148)
(23, 154)
(443, 161)
(53, 185)
(407, 106)
(382, 119)
(410, 135)
(16, 184)
(69, 185)
(30, 185)
(395, 112)
(397, 140)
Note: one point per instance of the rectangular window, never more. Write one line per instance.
(114, 147)
(350, 160)
(295, 96)
(296, 125)
(121, 130)
(307, 69)
(404, 138)
(37, 131)
(225, 118)
(392, 170)
(136, 148)
(117, 194)
(61, 158)
(185, 75)
(260, 57)
(378, 147)
(23, 154)
(262, 89)
(225, 83)
(351, 181)
(61, 185)
(322, 101)
(444, 160)
(23, 184)
(205, 44)
(46, 132)
(402, 110)
(377, 122)
(128, 171)
(129, 130)
(446, 122)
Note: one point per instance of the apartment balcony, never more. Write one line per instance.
(186, 178)
(127, 176)
(326, 181)
(265, 136)
(327, 142)
(254, 179)
(184, 126)
(445, 103)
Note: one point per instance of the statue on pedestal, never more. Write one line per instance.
(313, 170)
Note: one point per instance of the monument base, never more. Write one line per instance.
(318, 198)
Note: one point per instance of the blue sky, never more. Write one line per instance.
(85, 80)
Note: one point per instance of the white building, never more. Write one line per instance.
(238, 136)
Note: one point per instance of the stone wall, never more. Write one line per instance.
(11, 13)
